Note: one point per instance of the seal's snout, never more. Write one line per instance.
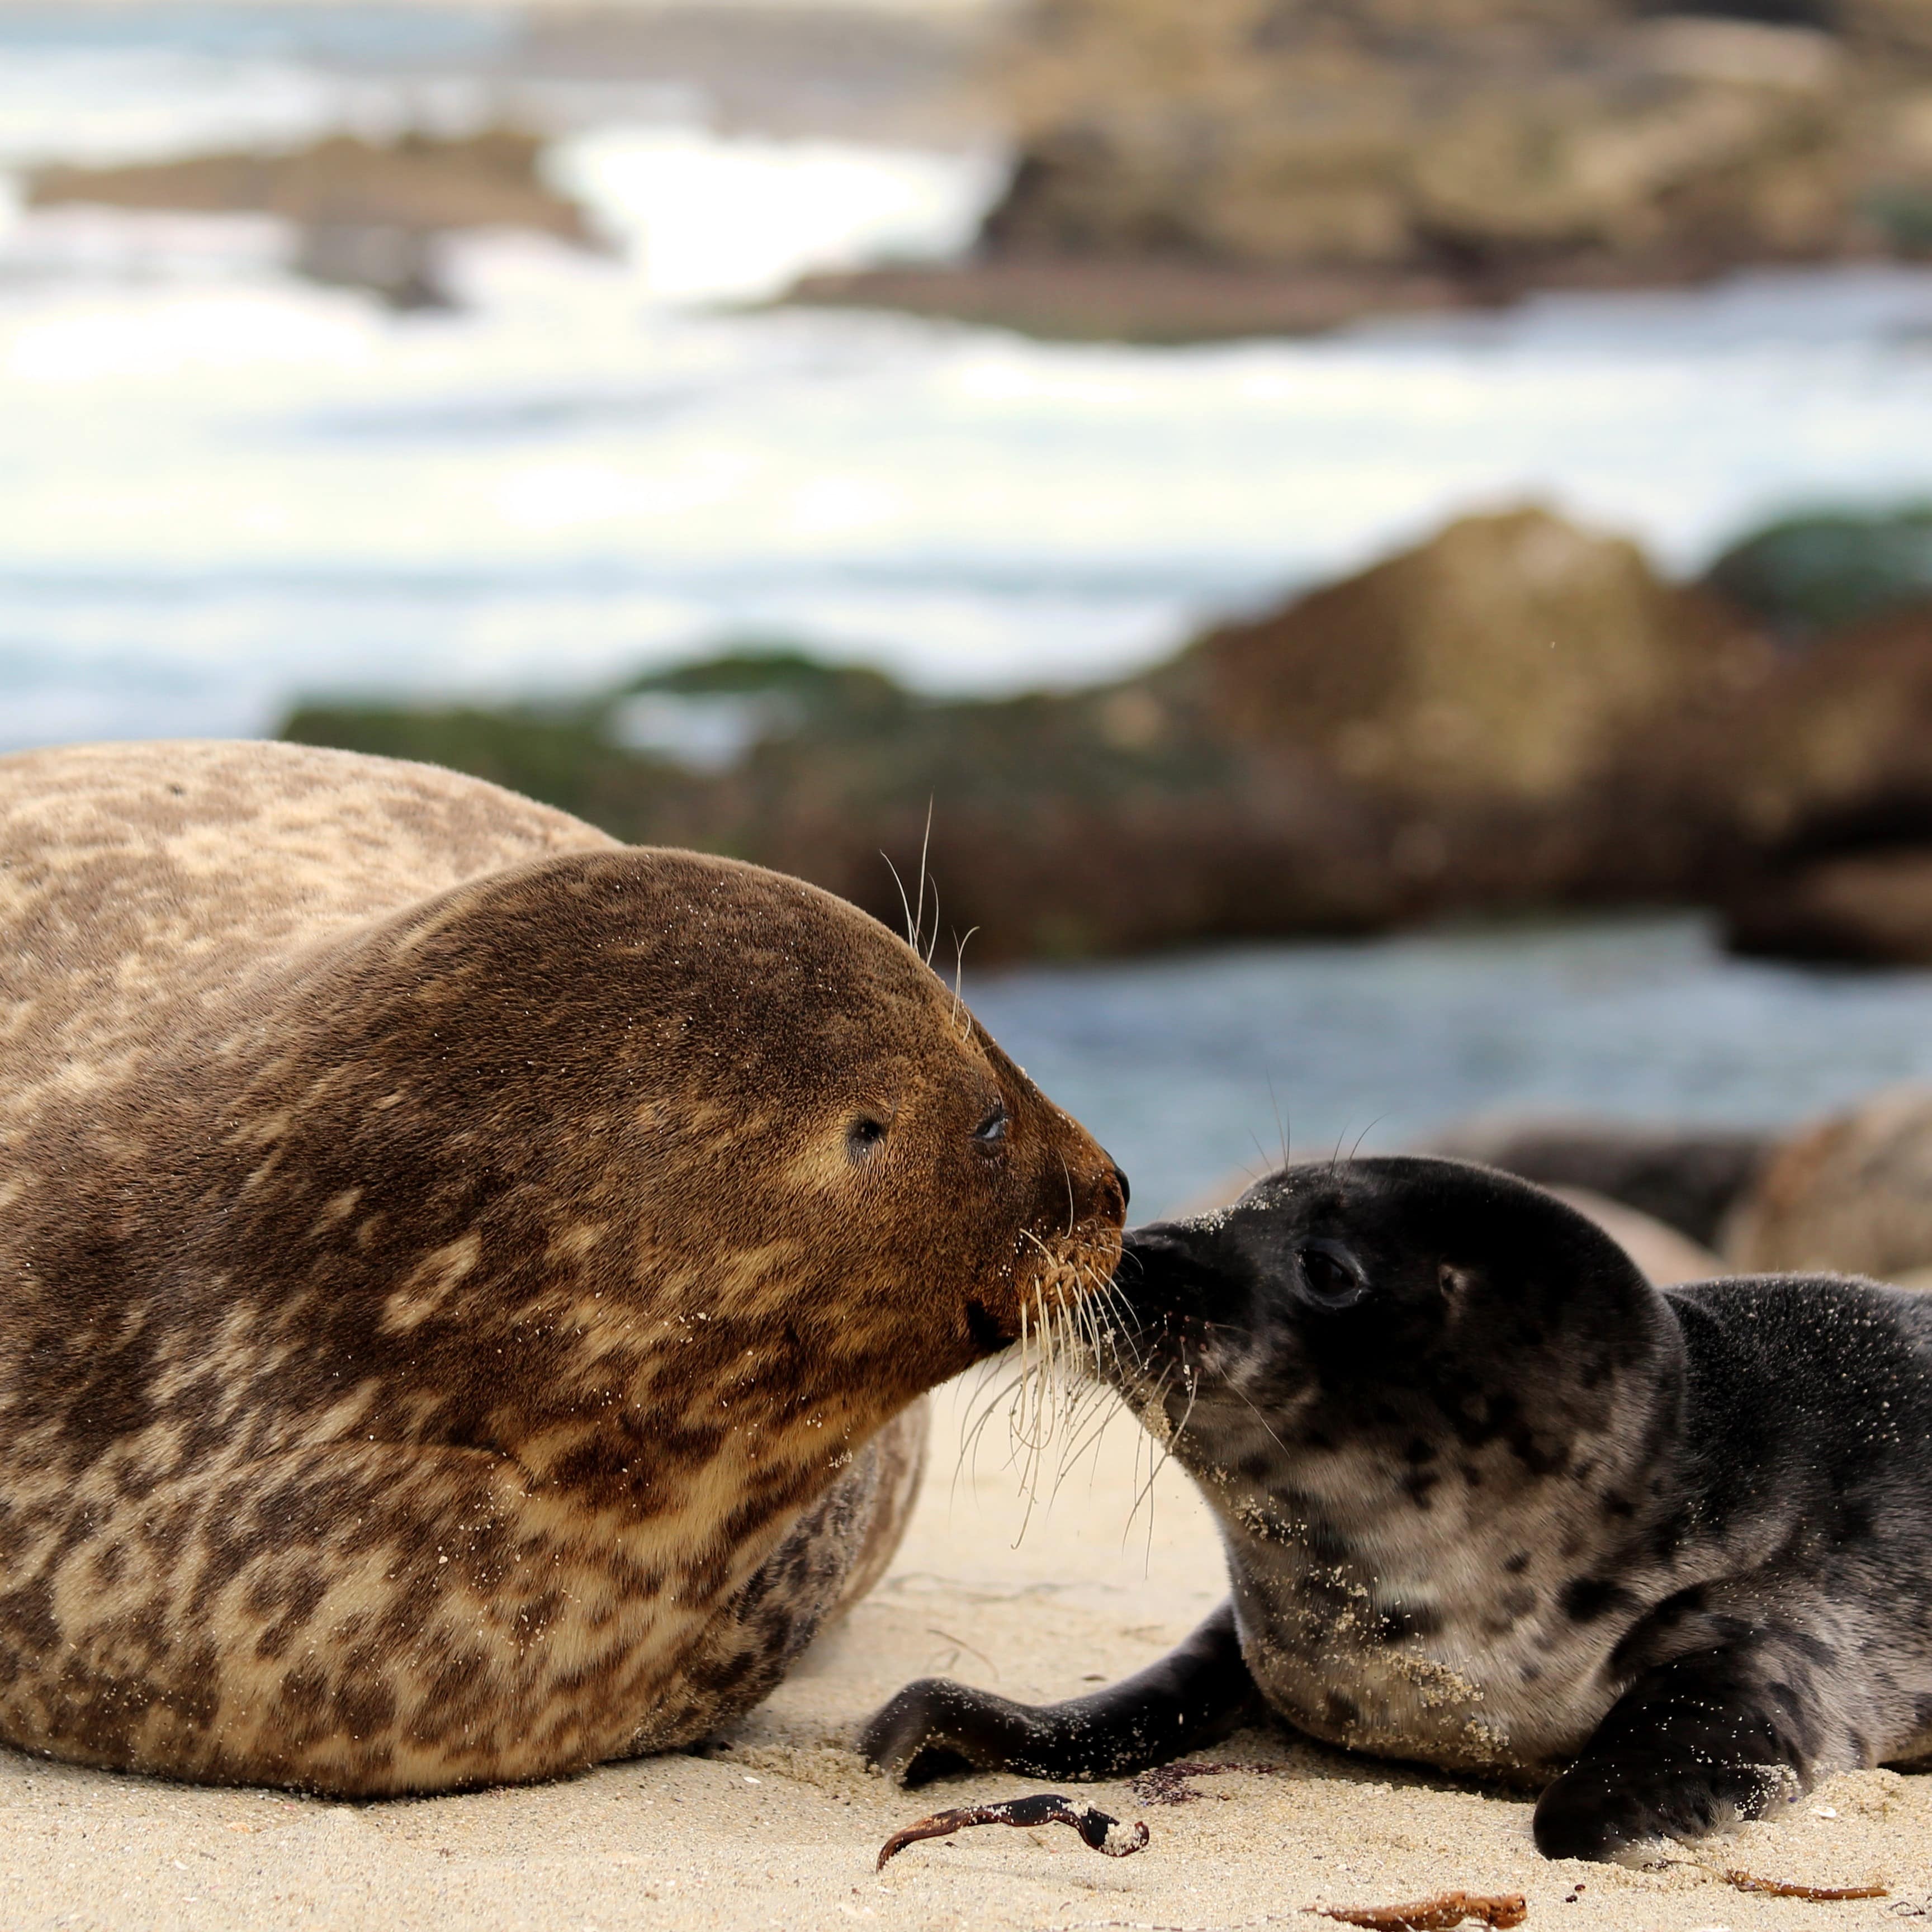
(1126, 1193)
(1172, 1267)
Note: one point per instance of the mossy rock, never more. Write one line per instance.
(1815, 572)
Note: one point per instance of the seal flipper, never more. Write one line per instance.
(1199, 1691)
(1714, 1736)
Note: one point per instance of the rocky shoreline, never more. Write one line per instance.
(1517, 714)
(1259, 166)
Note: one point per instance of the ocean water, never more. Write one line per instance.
(222, 487)
(1198, 1071)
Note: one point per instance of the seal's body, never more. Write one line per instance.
(457, 1274)
(1492, 1502)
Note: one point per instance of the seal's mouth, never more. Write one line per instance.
(989, 1337)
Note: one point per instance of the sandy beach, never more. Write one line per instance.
(781, 1827)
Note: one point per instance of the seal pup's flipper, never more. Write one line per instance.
(1198, 1692)
(1711, 1738)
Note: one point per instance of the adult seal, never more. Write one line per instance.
(458, 1273)
(1493, 1502)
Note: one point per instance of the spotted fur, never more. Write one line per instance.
(1492, 1502)
(451, 1323)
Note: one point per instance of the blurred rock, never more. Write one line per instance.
(1835, 751)
(398, 264)
(1688, 1180)
(1116, 298)
(1874, 909)
(1398, 154)
(1511, 658)
(1831, 773)
(367, 213)
(1850, 1195)
(1521, 709)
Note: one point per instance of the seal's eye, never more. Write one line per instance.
(992, 1130)
(863, 1134)
(1332, 1275)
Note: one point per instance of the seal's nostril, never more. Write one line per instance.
(1126, 1192)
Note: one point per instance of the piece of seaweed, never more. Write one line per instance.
(1778, 1888)
(1047, 1807)
(1500, 1910)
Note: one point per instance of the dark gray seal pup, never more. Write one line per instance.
(462, 1279)
(1492, 1502)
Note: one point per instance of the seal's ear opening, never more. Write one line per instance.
(863, 1133)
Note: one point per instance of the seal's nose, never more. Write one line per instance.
(1168, 1261)
(1120, 1180)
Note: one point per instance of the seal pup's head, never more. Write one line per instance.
(1384, 1351)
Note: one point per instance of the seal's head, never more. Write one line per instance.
(655, 1126)
(1394, 1344)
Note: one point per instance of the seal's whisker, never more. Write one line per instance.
(919, 922)
(993, 1391)
(1105, 1413)
(905, 904)
(1071, 1325)
(964, 1025)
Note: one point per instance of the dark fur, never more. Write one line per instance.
(1492, 1502)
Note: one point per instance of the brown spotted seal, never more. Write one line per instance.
(458, 1273)
(1493, 1502)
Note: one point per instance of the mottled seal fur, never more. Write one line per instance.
(457, 1274)
(1491, 1501)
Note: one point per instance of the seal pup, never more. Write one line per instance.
(1493, 1502)
(457, 1274)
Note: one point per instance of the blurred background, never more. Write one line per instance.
(1378, 551)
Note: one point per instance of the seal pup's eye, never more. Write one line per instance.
(992, 1130)
(1332, 1276)
(863, 1134)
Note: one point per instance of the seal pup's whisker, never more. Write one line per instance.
(1282, 1121)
